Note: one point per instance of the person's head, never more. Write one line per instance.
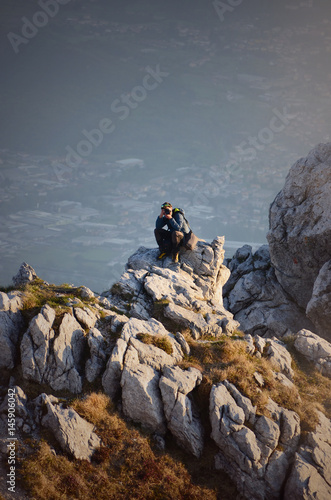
(166, 208)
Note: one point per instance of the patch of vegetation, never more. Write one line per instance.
(117, 289)
(314, 388)
(228, 360)
(160, 341)
(124, 467)
(39, 293)
(7, 289)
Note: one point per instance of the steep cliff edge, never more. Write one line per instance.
(286, 285)
(300, 236)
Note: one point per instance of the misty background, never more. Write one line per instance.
(109, 108)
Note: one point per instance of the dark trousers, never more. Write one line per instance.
(167, 241)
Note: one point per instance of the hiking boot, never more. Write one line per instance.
(175, 258)
(162, 255)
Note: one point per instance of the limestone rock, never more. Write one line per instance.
(12, 301)
(112, 376)
(182, 417)
(75, 435)
(11, 325)
(242, 402)
(319, 307)
(280, 357)
(187, 318)
(86, 317)
(20, 399)
(249, 454)
(315, 349)
(306, 482)
(300, 230)
(152, 355)
(183, 344)
(205, 263)
(68, 349)
(57, 361)
(319, 443)
(257, 300)
(267, 431)
(141, 397)
(36, 356)
(96, 363)
(128, 294)
(25, 275)
(86, 293)
(289, 424)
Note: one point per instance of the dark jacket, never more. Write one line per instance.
(177, 223)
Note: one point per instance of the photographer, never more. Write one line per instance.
(169, 240)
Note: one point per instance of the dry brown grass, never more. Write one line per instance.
(38, 293)
(125, 467)
(160, 341)
(228, 360)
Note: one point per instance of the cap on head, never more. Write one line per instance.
(166, 205)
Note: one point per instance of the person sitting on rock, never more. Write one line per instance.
(169, 240)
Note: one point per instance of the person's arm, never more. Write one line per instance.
(162, 219)
(177, 222)
(160, 222)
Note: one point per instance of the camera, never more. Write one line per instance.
(167, 211)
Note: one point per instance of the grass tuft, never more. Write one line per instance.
(124, 467)
(160, 341)
(228, 360)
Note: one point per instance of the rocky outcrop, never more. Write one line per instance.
(315, 349)
(251, 454)
(311, 473)
(11, 325)
(135, 339)
(204, 263)
(190, 293)
(98, 348)
(300, 232)
(25, 275)
(141, 399)
(50, 359)
(256, 298)
(181, 414)
(75, 435)
(319, 305)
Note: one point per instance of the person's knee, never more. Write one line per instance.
(177, 236)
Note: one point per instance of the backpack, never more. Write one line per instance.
(181, 211)
(191, 239)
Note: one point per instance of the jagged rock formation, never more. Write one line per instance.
(73, 433)
(315, 349)
(256, 298)
(25, 275)
(257, 451)
(249, 453)
(11, 323)
(56, 361)
(300, 233)
(190, 293)
(319, 305)
(134, 343)
(311, 473)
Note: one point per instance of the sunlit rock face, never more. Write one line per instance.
(300, 226)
